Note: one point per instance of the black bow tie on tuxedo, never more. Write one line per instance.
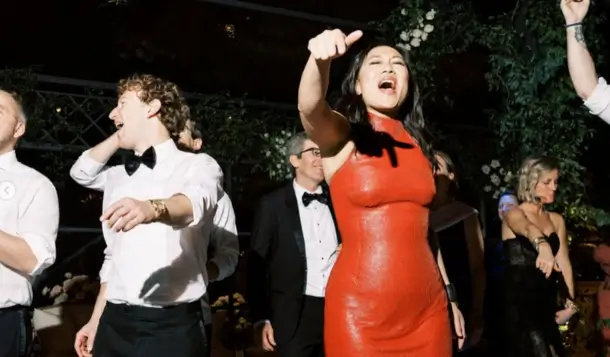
(320, 197)
(133, 162)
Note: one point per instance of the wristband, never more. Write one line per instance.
(451, 293)
(538, 241)
(574, 24)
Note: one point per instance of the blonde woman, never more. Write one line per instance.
(537, 265)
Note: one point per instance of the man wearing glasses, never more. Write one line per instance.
(294, 246)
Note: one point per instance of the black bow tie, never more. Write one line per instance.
(320, 197)
(133, 162)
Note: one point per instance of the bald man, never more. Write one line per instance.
(29, 218)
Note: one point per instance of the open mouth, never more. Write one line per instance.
(387, 84)
(118, 126)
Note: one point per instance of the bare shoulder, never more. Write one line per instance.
(557, 220)
(556, 217)
(472, 221)
(507, 233)
(515, 213)
(332, 164)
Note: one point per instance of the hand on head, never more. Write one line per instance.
(332, 44)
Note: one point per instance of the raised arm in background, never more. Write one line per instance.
(593, 90)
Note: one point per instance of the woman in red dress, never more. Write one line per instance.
(385, 297)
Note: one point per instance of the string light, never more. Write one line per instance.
(230, 30)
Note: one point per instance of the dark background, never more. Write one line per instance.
(207, 47)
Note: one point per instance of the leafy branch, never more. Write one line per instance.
(538, 111)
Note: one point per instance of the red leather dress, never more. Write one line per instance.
(385, 297)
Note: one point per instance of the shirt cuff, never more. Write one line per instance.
(260, 323)
(89, 165)
(600, 98)
(42, 250)
(202, 200)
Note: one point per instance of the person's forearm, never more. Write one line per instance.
(100, 304)
(441, 265)
(16, 254)
(580, 63)
(476, 264)
(313, 88)
(179, 211)
(569, 279)
(103, 151)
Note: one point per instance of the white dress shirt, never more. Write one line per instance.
(320, 242)
(29, 209)
(155, 264)
(221, 233)
(599, 101)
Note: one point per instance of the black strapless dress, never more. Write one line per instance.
(530, 301)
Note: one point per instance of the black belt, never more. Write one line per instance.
(183, 309)
(14, 308)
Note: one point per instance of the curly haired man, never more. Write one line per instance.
(153, 207)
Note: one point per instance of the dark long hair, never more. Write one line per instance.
(410, 112)
(452, 169)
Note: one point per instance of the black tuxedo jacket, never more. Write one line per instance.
(277, 267)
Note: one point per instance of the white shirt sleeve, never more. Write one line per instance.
(224, 238)
(599, 101)
(39, 222)
(106, 268)
(203, 186)
(89, 173)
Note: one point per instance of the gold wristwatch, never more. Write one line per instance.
(160, 209)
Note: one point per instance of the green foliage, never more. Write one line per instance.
(541, 114)
(227, 126)
(579, 215)
(235, 133)
(452, 32)
(538, 111)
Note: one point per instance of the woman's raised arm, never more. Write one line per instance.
(325, 127)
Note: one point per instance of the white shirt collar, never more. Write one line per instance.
(164, 149)
(300, 190)
(7, 160)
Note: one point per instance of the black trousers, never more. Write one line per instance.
(208, 339)
(308, 340)
(15, 331)
(136, 331)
